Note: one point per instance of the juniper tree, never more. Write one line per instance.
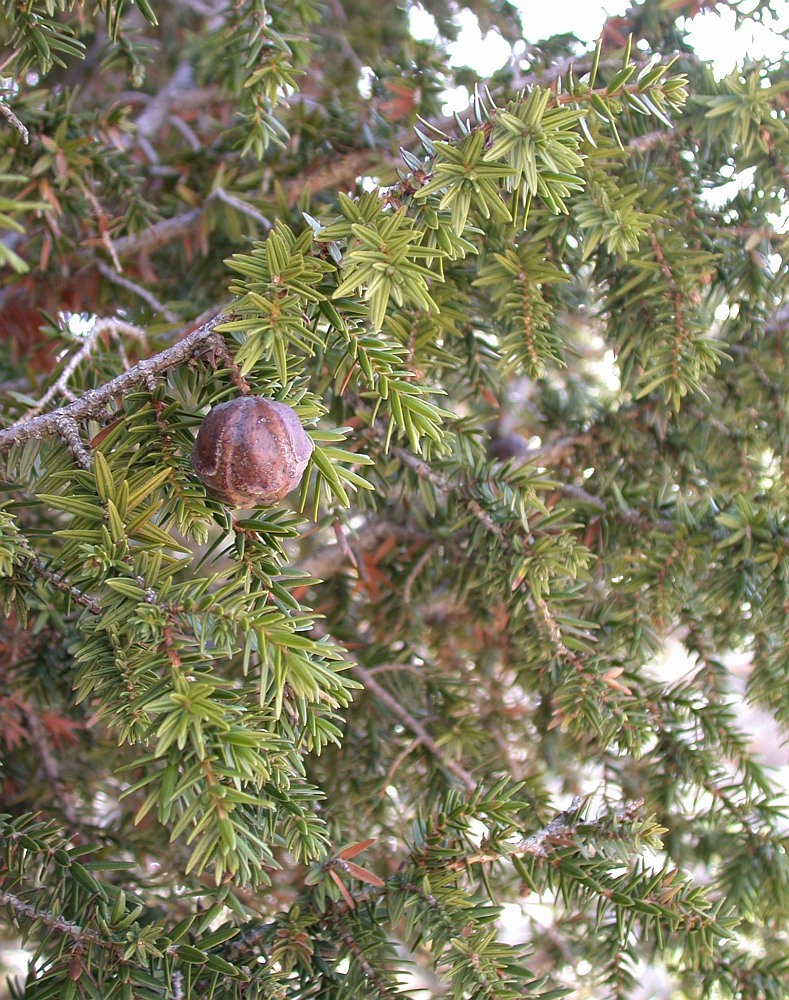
(540, 354)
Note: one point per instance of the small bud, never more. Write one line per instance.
(75, 965)
(251, 452)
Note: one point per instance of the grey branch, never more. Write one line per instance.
(168, 230)
(57, 787)
(68, 431)
(563, 827)
(61, 583)
(9, 115)
(94, 402)
(138, 290)
(331, 560)
(218, 194)
(157, 112)
(115, 328)
(28, 912)
(394, 706)
(157, 235)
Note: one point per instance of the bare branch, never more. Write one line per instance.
(68, 430)
(157, 112)
(115, 327)
(137, 290)
(40, 744)
(240, 206)
(157, 235)
(168, 230)
(331, 560)
(339, 36)
(394, 706)
(94, 402)
(104, 236)
(404, 754)
(417, 568)
(186, 132)
(643, 143)
(577, 493)
(9, 115)
(339, 171)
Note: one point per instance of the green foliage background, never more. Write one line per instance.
(541, 351)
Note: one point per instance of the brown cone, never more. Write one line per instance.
(251, 452)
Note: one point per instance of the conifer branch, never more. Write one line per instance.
(556, 637)
(370, 974)
(444, 486)
(561, 830)
(677, 304)
(548, 260)
(84, 936)
(61, 583)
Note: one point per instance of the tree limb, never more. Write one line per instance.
(331, 560)
(540, 844)
(394, 706)
(9, 115)
(94, 401)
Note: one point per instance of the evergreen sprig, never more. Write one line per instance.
(332, 748)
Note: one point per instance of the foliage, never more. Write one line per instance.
(328, 749)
